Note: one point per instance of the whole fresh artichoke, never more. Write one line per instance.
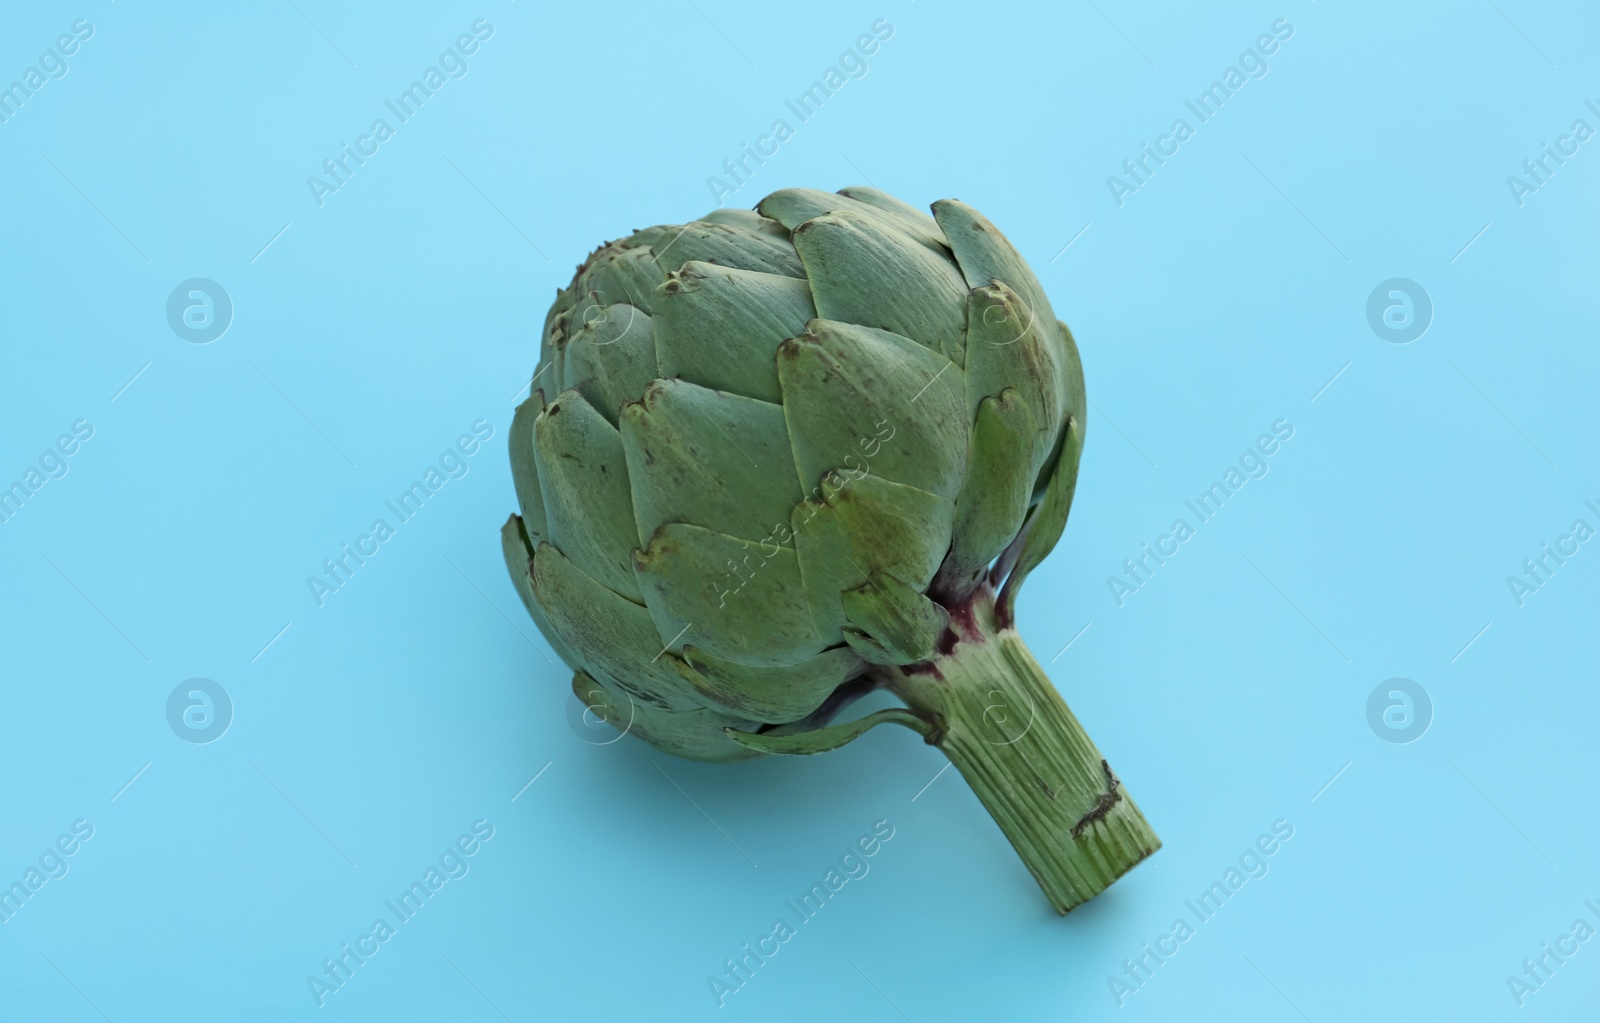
(775, 459)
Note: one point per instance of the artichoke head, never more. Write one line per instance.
(769, 450)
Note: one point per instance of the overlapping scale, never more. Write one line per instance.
(732, 246)
(583, 477)
(704, 457)
(736, 600)
(612, 359)
(1008, 347)
(859, 399)
(861, 526)
(861, 272)
(719, 326)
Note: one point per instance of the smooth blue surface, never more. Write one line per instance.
(370, 332)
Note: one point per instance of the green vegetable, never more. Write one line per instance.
(775, 459)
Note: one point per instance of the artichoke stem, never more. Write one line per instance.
(1026, 757)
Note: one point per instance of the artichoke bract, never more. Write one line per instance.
(773, 460)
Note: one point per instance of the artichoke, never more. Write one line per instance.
(773, 460)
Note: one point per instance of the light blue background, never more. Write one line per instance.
(374, 330)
